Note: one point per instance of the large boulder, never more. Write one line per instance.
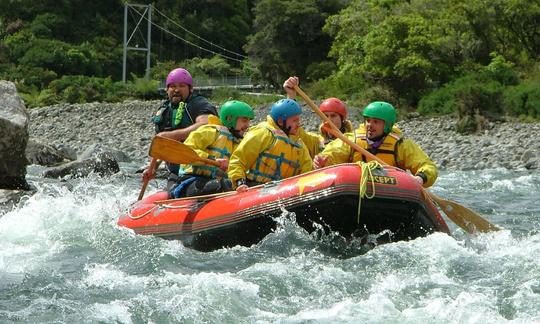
(13, 138)
(10, 198)
(95, 149)
(531, 159)
(43, 154)
(103, 164)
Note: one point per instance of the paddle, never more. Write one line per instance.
(176, 152)
(172, 151)
(460, 215)
(152, 167)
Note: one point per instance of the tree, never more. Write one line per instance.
(414, 47)
(288, 37)
(509, 27)
(225, 24)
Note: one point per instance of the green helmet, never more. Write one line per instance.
(234, 109)
(381, 110)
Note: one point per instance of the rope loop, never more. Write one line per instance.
(366, 174)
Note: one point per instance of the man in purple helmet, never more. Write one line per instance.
(179, 115)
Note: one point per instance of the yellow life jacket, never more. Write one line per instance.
(279, 161)
(222, 148)
(387, 151)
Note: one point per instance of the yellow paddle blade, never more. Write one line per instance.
(172, 151)
(463, 216)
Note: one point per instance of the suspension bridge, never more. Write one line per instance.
(142, 15)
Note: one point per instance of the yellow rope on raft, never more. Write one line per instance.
(366, 175)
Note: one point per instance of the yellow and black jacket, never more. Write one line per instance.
(395, 150)
(266, 153)
(211, 141)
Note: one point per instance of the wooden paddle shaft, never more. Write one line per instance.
(151, 168)
(333, 128)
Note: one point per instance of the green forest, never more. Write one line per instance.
(468, 58)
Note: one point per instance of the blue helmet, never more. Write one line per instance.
(284, 109)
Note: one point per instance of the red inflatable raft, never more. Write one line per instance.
(327, 197)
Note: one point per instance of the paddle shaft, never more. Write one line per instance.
(151, 168)
(334, 130)
(462, 216)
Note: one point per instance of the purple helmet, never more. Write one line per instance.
(179, 75)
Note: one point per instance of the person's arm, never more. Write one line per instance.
(289, 85)
(247, 152)
(335, 152)
(200, 139)
(306, 163)
(148, 173)
(411, 157)
(312, 141)
(182, 133)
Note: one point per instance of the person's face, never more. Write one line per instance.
(178, 92)
(293, 123)
(334, 117)
(374, 127)
(242, 124)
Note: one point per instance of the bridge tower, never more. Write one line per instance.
(146, 14)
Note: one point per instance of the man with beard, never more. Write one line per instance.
(179, 115)
(217, 140)
(380, 137)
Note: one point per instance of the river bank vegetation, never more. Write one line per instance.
(474, 59)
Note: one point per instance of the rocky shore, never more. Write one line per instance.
(126, 127)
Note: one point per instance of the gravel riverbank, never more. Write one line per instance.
(126, 127)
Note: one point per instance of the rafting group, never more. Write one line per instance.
(276, 148)
(233, 155)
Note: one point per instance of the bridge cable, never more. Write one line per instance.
(197, 36)
(188, 42)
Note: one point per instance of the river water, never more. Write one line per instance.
(64, 259)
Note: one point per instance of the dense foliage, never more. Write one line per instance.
(466, 57)
(56, 52)
(288, 38)
(412, 48)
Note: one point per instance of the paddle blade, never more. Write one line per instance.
(172, 151)
(463, 216)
